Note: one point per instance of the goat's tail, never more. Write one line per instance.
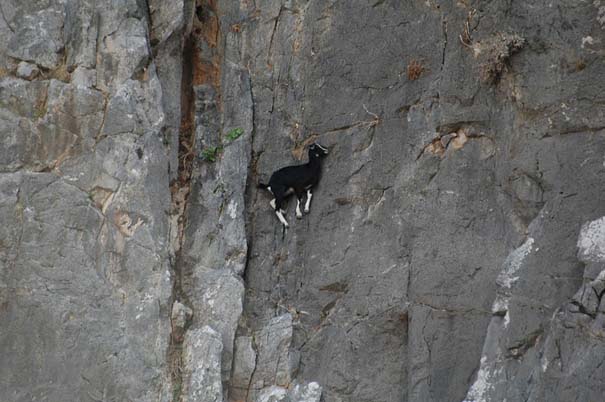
(262, 186)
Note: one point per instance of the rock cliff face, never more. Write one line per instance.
(455, 248)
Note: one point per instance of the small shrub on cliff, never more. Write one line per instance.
(209, 154)
(495, 53)
(234, 134)
(415, 70)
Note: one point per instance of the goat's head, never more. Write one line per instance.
(317, 151)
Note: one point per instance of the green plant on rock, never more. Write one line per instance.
(234, 134)
(166, 138)
(177, 390)
(210, 154)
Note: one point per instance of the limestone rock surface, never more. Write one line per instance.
(455, 245)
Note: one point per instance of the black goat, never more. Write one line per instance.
(297, 180)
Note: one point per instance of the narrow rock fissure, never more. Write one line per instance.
(180, 190)
(150, 30)
(5, 20)
(444, 25)
(255, 348)
(250, 183)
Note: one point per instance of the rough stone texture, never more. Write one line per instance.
(529, 344)
(216, 237)
(306, 393)
(298, 393)
(219, 305)
(273, 394)
(398, 280)
(202, 363)
(244, 363)
(38, 36)
(591, 242)
(181, 315)
(455, 245)
(80, 32)
(272, 347)
(168, 20)
(214, 249)
(85, 281)
(27, 71)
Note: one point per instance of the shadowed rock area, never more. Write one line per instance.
(454, 249)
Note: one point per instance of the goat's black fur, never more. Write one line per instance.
(295, 180)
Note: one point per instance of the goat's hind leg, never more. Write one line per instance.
(281, 218)
(299, 197)
(280, 213)
(299, 214)
(308, 203)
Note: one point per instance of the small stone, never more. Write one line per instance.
(599, 283)
(591, 242)
(84, 77)
(180, 314)
(27, 71)
(526, 188)
(310, 392)
(587, 299)
(273, 394)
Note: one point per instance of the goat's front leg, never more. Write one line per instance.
(298, 213)
(308, 203)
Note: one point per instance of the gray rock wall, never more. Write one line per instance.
(85, 278)
(455, 245)
(466, 154)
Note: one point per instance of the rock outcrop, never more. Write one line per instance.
(454, 249)
(85, 283)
